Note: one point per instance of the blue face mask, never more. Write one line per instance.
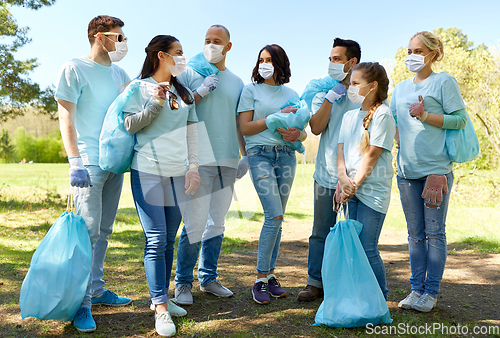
(336, 71)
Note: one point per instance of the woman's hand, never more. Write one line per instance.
(192, 181)
(417, 110)
(289, 134)
(348, 189)
(289, 109)
(160, 93)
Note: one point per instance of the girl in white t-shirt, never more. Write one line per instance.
(364, 159)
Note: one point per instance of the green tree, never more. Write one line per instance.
(7, 149)
(16, 89)
(477, 72)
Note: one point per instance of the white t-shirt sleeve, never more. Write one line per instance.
(382, 129)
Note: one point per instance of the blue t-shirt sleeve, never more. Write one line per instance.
(450, 94)
(68, 86)
(247, 101)
(317, 101)
(343, 128)
(382, 129)
(192, 117)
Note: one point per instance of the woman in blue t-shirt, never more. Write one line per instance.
(364, 159)
(164, 169)
(424, 107)
(272, 163)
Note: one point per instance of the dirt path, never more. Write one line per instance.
(470, 293)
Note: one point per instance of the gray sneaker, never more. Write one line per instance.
(409, 301)
(425, 303)
(183, 295)
(216, 288)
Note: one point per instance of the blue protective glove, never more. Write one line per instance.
(78, 175)
(242, 167)
(209, 85)
(335, 93)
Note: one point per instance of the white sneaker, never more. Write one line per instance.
(409, 301)
(164, 325)
(425, 303)
(216, 288)
(173, 309)
(183, 295)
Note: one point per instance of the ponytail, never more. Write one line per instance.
(365, 140)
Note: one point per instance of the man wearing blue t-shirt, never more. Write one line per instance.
(216, 98)
(326, 120)
(85, 89)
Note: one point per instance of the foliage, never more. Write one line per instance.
(47, 149)
(16, 89)
(7, 149)
(477, 72)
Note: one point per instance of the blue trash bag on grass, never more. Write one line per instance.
(299, 119)
(116, 146)
(200, 65)
(352, 295)
(57, 279)
(462, 144)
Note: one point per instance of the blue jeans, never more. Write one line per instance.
(204, 225)
(324, 219)
(157, 202)
(272, 169)
(372, 226)
(426, 235)
(98, 205)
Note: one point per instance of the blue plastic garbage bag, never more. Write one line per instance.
(298, 119)
(462, 144)
(116, 146)
(352, 296)
(200, 65)
(57, 280)
(315, 86)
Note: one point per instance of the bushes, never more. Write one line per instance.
(48, 149)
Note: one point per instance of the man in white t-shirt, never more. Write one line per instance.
(85, 89)
(216, 98)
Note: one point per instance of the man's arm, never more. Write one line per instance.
(241, 139)
(319, 121)
(67, 113)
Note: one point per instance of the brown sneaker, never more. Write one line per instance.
(310, 293)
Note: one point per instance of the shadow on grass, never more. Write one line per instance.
(21, 205)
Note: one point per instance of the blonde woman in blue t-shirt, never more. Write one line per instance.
(424, 107)
(364, 159)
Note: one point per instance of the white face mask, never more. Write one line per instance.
(353, 94)
(336, 71)
(415, 62)
(179, 67)
(213, 53)
(120, 51)
(266, 70)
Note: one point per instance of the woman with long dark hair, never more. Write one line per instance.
(164, 169)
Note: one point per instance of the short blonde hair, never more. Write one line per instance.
(433, 42)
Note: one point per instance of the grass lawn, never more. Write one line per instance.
(33, 196)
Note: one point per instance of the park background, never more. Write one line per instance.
(32, 196)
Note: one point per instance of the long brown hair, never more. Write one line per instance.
(281, 65)
(162, 43)
(372, 71)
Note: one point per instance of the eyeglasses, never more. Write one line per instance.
(119, 36)
(174, 105)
